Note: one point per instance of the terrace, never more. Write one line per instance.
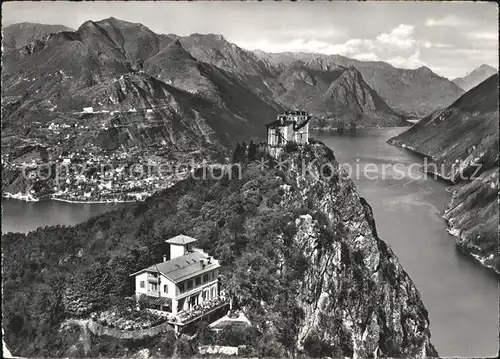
(185, 317)
(197, 312)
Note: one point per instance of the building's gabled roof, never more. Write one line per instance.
(297, 113)
(181, 239)
(278, 123)
(283, 120)
(183, 267)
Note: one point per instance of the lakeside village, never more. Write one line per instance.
(91, 172)
(84, 177)
(125, 175)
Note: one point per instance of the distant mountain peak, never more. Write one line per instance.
(475, 77)
(350, 94)
(121, 24)
(486, 67)
(21, 34)
(176, 45)
(425, 69)
(352, 75)
(89, 25)
(349, 78)
(211, 37)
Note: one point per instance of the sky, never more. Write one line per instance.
(451, 38)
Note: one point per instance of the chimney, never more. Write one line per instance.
(202, 262)
(164, 258)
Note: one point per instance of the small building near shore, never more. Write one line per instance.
(188, 280)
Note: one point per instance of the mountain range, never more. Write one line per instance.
(121, 70)
(190, 93)
(21, 34)
(278, 78)
(462, 144)
(475, 77)
(410, 92)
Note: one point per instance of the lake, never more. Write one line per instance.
(461, 296)
(20, 216)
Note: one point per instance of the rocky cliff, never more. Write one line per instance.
(350, 101)
(461, 145)
(355, 294)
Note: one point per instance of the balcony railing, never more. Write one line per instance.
(198, 311)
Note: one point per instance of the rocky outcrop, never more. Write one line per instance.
(460, 144)
(472, 216)
(338, 96)
(357, 298)
(351, 102)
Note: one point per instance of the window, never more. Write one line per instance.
(154, 286)
(190, 284)
(205, 278)
(213, 275)
(181, 287)
(198, 280)
(165, 288)
(142, 284)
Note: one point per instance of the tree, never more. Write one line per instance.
(252, 151)
(89, 290)
(243, 151)
(237, 153)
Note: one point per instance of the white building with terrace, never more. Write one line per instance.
(186, 286)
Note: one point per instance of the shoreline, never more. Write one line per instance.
(452, 231)
(20, 197)
(394, 143)
(29, 199)
(354, 129)
(109, 201)
(457, 233)
(437, 176)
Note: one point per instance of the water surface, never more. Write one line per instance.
(20, 216)
(461, 296)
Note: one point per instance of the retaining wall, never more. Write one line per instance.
(98, 329)
(218, 349)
